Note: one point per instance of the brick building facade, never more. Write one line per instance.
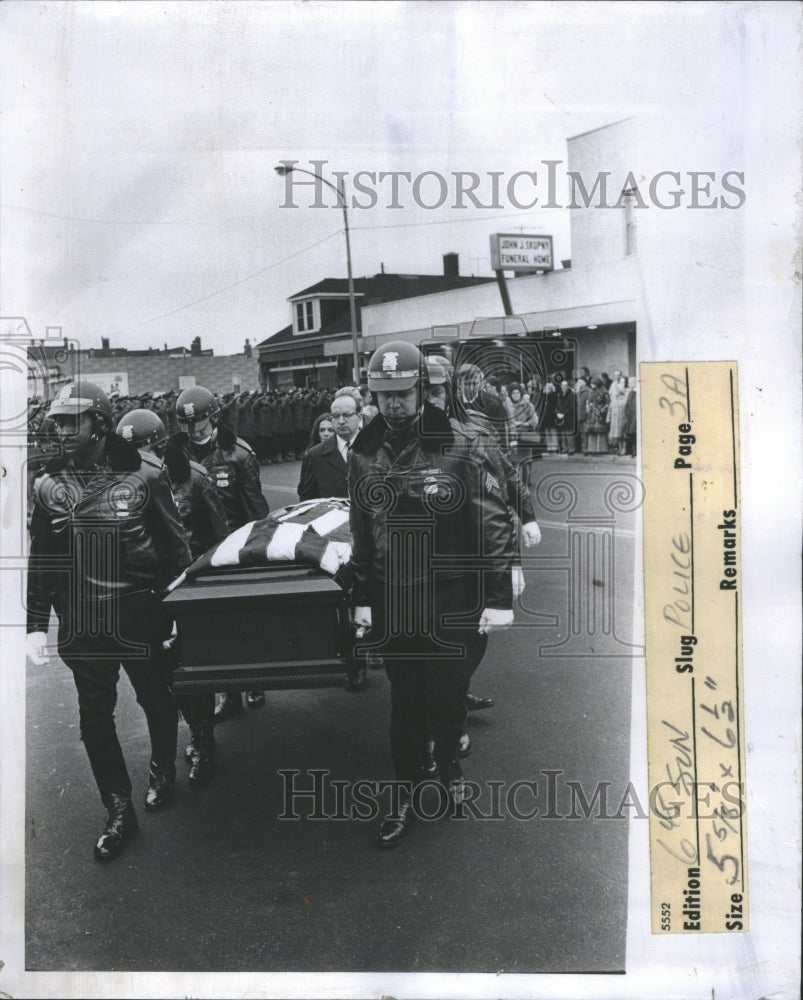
(146, 372)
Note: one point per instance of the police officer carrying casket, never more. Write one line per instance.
(478, 436)
(106, 539)
(197, 500)
(432, 554)
(234, 470)
(228, 459)
(204, 520)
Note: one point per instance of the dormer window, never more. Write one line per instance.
(307, 316)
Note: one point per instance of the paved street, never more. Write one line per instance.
(218, 882)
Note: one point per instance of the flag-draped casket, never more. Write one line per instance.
(266, 608)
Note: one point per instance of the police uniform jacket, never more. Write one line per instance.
(234, 470)
(246, 424)
(483, 446)
(197, 501)
(102, 533)
(425, 481)
(284, 420)
(299, 415)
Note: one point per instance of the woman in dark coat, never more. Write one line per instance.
(597, 419)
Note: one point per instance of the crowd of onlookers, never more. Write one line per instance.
(590, 415)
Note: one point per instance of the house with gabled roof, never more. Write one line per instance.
(316, 348)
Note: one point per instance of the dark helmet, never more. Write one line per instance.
(141, 428)
(196, 404)
(396, 366)
(82, 397)
(439, 370)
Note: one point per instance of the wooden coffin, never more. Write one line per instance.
(277, 627)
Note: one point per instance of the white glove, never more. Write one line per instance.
(35, 646)
(494, 618)
(531, 533)
(171, 639)
(362, 619)
(518, 581)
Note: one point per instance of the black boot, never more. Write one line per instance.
(452, 779)
(476, 704)
(189, 749)
(161, 782)
(121, 825)
(429, 767)
(197, 709)
(203, 752)
(449, 745)
(397, 824)
(231, 704)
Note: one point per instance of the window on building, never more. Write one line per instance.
(304, 316)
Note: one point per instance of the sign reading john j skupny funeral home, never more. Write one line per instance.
(521, 252)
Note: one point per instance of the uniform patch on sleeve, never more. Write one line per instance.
(491, 482)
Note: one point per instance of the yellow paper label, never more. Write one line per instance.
(692, 598)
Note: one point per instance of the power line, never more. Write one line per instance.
(455, 222)
(102, 222)
(234, 284)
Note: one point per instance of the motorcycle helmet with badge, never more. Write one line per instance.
(440, 372)
(439, 369)
(396, 367)
(144, 429)
(81, 397)
(195, 405)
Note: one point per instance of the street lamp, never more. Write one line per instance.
(283, 170)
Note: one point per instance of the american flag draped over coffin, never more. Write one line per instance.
(315, 532)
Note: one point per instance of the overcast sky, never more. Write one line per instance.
(139, 199)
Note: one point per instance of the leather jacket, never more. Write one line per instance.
(102, 532)
(197, 501)
(234, 470)
(483, 443)
(425, 484)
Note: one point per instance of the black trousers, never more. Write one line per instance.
(262, 447)
(199, 709)
(427, 636)
(300, 439)
(134, 641)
